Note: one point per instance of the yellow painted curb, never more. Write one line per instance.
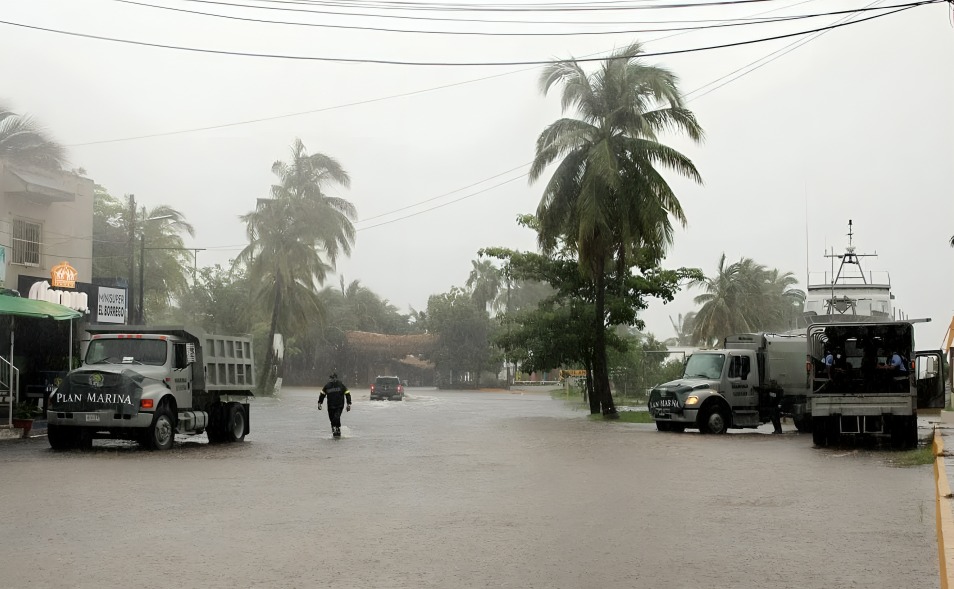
(945, 515)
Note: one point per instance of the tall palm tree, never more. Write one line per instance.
(607, 197)
(167, 265)
(24, 142)
(295, 239)
(485, 281)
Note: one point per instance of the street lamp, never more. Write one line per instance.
(140, 319)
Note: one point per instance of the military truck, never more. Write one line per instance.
(742, 385)
(861, 394)
(149, 383)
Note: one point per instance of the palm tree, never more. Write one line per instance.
(607, 198)
(745, 297)
(485, 281)
(24, 142)
(295, 238)
(167, 264)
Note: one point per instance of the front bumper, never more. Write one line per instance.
(98, 419)
(687, 416)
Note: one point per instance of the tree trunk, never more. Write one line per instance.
(600, 363)
(593, 399)
(269, 370)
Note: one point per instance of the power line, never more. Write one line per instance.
(465, 64)
(697, 27)
(370, 100)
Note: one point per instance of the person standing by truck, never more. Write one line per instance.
(337, 394)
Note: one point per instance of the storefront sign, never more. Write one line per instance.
(111, 306)
(63, 276)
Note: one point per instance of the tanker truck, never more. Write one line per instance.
(150, 383)
(743, 385)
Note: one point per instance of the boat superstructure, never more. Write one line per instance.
(847, 292)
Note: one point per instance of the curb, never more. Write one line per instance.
(945, 514)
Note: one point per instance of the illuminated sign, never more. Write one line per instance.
(63, 276)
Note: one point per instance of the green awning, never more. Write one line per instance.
(31, 308)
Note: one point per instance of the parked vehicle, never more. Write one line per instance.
(148, 384)
(739, 386)
(863, 394)
(387, 387)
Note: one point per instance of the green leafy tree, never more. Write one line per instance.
(220, 301)
(562, 330)
(295, 239)
(24, 142)
(464, 333)
(607, 197)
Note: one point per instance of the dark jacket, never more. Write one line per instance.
(337, 393)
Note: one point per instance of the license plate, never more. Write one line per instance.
(92, 417)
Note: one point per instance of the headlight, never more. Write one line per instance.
(692, 400)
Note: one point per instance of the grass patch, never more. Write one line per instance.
(919, 457)
(629, 417)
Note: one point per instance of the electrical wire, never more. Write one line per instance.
(901, 8)
(699, 27)
(371, 100)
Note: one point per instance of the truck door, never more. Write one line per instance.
(929, 372)
(741, 378)
(182, 376)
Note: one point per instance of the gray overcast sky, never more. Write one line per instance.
(856, 124)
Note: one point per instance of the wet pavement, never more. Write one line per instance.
(464, 489)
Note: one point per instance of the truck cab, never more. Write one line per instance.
(718, 390)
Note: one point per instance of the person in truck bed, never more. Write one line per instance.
(337, 394)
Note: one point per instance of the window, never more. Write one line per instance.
(26, 243)
(739, 367)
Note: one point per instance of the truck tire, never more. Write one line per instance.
(162, 431)
(664, 426)
(803, 424)
(904, 432)
(820, 431)
(235, 423)
(714, 420)
(62, 437)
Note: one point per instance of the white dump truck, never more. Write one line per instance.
(150, 383)
(861, 393)
(742, 385)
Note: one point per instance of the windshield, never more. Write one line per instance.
(704, 366)
(127, 351)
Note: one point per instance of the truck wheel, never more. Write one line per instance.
(162, 431)
(802, 424)
(714, 421)
(62, 437)
(904, 432)
(235, 425)
(820, 431)
(664, 426)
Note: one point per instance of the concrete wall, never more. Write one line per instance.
(62, 203)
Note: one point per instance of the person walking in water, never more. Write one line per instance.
(337, 394)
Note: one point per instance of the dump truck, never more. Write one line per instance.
(742, 385)
(150, 383)
(861, 393)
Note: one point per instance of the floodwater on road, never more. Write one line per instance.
(463, 489)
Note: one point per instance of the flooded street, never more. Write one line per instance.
(463, 489)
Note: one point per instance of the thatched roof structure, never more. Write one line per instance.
(391, 346)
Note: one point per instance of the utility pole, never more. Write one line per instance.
(131, 227)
